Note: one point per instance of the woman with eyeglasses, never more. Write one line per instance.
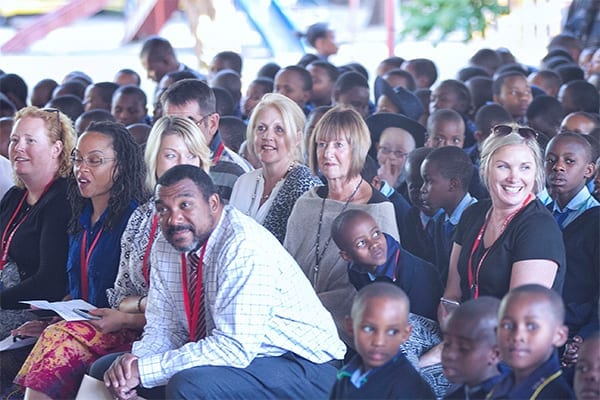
(511, 239)
(34, 213)
(65, 350)
(269, 193)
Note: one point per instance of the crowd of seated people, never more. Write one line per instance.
(406, 239)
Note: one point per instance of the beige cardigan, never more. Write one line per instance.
(331, 281)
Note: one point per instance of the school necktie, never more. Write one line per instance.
(448, 229)
(195, 271)
(561, 216)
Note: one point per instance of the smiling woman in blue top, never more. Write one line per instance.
(109, 173)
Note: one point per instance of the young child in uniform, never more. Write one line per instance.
(470, 355)
(587, 371)
(374, 255)
(530, 330)
(446, 174)
(379, 325)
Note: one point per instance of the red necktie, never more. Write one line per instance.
(195, 274)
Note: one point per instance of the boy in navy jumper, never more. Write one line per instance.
(417, 232)
(379, 325)
(374, 255)
(569, 165)
(470, 355)
(446, 174)
(530, 329)
(587, 371)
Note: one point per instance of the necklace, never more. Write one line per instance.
(319, 254)
(267, 195)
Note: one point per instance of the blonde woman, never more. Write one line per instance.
(55, 371)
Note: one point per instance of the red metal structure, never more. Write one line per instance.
(147, 19)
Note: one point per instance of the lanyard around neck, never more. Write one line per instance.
(9, 233)
(218, 153)
(473, 276)
(84, 258)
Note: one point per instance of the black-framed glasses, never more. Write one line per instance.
(387, 151)
(57, 111)
(524, 131)
(91, 161)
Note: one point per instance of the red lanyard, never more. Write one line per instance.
(146, 259)
(474, 280)
(192, 314)
(84, 260)
(6, 241)
(218, 154)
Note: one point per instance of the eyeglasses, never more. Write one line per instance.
(92, 161)
(58, 124)
(387, 151)
(201, 120)
(523, 131)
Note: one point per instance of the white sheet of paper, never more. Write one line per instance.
(10, 344)
(63, 308)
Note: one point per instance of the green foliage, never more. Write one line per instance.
(442, 17)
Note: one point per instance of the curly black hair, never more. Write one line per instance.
(128, 182)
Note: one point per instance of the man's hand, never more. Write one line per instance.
(123, 377)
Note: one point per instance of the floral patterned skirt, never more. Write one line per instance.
(64, 352)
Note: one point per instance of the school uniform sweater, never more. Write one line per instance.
(418, 278)
(545, 382)
(397, 379)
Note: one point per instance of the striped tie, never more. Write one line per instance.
(195, 274)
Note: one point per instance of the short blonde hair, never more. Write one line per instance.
(182, 127)
(58, 127)
(493, 143)
(293, 123)
(342, 122)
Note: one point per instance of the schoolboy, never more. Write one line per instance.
(530, 329)
(379, 325)
(454, 95)
(512, 91)
(423, 70)
(445, 128)
(587, 371)
(99, 96)
(324, 75)
(569, 165)
(295, 83)
(374, 255)
(417, 233)
(486, 118)
(255, 91)
(446, 174)
(129, 105)
(470, 355)
(352, 89)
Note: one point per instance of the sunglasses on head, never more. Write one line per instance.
(504, 130)
(58, 124)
